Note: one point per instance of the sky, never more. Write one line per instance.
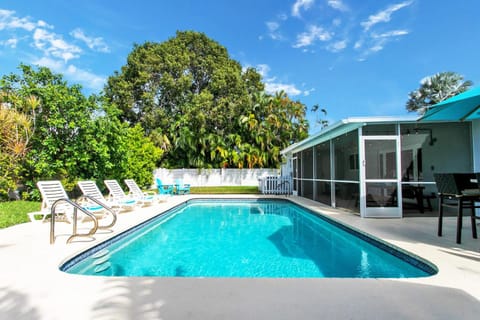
(353, 58)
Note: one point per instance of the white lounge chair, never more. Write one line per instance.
(117, 194)
(90, 188)
(147, 198)
(53, 194)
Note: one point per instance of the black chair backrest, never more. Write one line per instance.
(445, 183)
(454, 183)
(464, 181)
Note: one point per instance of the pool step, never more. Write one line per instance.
(101, 260)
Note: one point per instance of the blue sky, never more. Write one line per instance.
(351, 57)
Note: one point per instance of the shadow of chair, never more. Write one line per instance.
(457, 190)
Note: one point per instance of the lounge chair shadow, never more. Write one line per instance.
(462, 254)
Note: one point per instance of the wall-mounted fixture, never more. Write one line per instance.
(423, 130)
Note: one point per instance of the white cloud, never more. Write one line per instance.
(43, 24)
(263, 70)
(308, 92)
(338, 5)
(299, 5)
(383, 16)
(376, 47)
(273, 30)
(336, 22)
(8, 20)
(5, 17)
(12, 43)
(272, 85)
(53, 45)
(21, 23)
(337, 46)
(377, 42)
(290, 89)
(314, 33)
(96, 44)
(272, 26)
(394, 33)
(86, 78)
(54, 50)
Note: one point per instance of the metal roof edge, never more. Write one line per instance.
(347, 121)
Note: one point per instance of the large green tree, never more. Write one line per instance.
(189, 96)
(435, 89)
(75, 137)
(62, 118)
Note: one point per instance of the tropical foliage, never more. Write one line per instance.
(15, 132)
(74, 137)
(198, 105)
(435, 89)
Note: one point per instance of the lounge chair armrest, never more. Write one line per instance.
(32, 215)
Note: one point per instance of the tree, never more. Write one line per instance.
(15, 131)
(274, 122)
(321, 120)
(436, 88)
(62, 120)
(76, 137)
(188, 95)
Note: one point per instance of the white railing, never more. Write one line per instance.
(275, 185)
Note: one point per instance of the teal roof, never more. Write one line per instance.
(341, 127)
(462, 107)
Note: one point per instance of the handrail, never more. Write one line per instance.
(76, 207)
(110, 209)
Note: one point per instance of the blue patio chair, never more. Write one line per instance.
(164, 188)
(181, 188)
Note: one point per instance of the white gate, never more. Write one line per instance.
(275, 185)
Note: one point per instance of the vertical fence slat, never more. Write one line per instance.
(275, 185)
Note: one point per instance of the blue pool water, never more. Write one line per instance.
(245, 238)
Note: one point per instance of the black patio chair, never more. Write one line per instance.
(460, 191)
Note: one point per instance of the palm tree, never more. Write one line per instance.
(435, 89)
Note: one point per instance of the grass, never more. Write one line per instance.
(225, 190)
(15, 212)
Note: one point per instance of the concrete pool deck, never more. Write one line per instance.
(32, 287)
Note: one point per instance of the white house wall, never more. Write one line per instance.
(476, 144)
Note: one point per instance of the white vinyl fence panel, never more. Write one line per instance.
(215, 177)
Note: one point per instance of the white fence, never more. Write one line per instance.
(275, 185)
(215, 177)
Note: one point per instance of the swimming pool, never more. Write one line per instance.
(246, 238)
